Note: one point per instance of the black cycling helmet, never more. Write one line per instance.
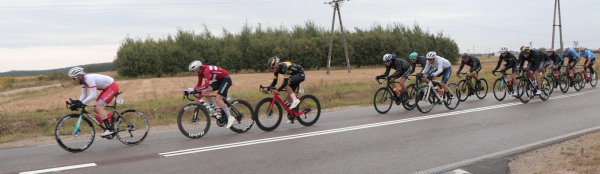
(465, 56)
(273, 61)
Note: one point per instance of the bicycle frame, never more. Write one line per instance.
(437, 94)
(293, 113)
(503, 77)
(83, 111)
(201, 102)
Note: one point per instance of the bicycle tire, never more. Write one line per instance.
(423, 100)
(134, 121)
(64, 132)
(452, 103)
(383, 95)
(412, 93)
(262, 120)
(197, 129)
(499, 89)
(546, 89)
(579, 83)
(564, 82)
(242, 111)
(524, 91)
(482, 93)
(309, 118)
(594, 79)
(464, 89)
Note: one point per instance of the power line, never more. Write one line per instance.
(584, 5)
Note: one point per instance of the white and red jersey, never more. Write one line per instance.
(94, 82)
(209, 72)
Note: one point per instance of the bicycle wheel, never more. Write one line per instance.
(242, 111)
(410, 104)
(380, 101)
(73, 140)
(564, 82)
(192, 124)
(546, 89)
(552, 80)
(424, 101)
(453, 102)
(578, 82)
(132, 127)
(593, 79)
(464, 89)
(524, 91)
(311, 105)
(499, 89)
(268, 119)
(482, 84)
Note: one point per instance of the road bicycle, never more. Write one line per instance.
(385, 94)
(502, 85)
(269, 110)
(194, 120)
(432, 93)
(575, 79)
(588, 78)
(558, 79)
(526, 88)
(469, 87)
(75, 133)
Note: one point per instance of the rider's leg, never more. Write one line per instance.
(538, 79)
(402, 80)
(392, 80)
(207, 91)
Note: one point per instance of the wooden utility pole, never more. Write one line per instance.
(336, 4)
(557, 4)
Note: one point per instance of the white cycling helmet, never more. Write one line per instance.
(387, 57)
(535, 48)
(75, 71)
(431, 55)
(503, 49)
(195, 65)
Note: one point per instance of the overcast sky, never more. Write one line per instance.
(48, 34)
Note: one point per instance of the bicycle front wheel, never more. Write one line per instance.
(578, 82)
(411, 103)
(564, 82)
(453, 101)
(242, 112)
(546, 89)
(74, 134)
(425, 101)
(499, 89)
(524, 91)
(482, 88)
(311, 105)
(268, 119)
(132, 127)
(464, 89)
(383, 100)
(193, 122)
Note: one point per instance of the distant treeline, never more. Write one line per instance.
(307, 45)
(89, 68)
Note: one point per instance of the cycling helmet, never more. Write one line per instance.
(464, 56)
(525, 49)
(431, 55)
(273, 61)
(534, 49)
(195, 65)
(388, 57)
(75, 71)
(581, 49)
(413, 55)
(567, 49)
(503, 49)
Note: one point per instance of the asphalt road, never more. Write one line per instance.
(353, 141)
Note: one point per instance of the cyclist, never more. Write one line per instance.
(95, 82)
(545, 61)
(511, 62)
(438, 66)
(222, 84)
(475, 67)
(573, 60)
(402, 68)
(590, 59)
(417, 60)
(293, 75)
(556, 61)
(534, 65)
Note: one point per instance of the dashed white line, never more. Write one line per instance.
(60, 168)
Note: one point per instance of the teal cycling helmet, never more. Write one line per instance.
(413, 55)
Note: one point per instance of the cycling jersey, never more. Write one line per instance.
(401, 67)
(208, 73)
(287, 69)
(572, 55)
(421, 62)
(439, 63)
(95, 82)
(534, 58)
(557, 60)
(587, 54)
(472, 62)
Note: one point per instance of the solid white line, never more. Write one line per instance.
(60, 168)
(309, 134)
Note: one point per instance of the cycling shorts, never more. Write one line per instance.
(532, 67)
(514, 67)
(591, 63)
(295, 81)
(547, 63)
(222, 86)
(445, 73)
(107, 95)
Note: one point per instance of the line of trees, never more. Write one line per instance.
(89, 68)
(307, 45)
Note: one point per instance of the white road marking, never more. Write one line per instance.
(331, 131)
(60, 168)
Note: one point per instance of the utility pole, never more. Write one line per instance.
(530, 44)
(336, 4)
(473, 49)
(575, 44)
(557, 4)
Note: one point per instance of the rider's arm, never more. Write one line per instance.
(440, 67)
(412, 68)
(91, 84)
(499, 62)
(521, 61)
(285, 82)
(462, 64)
(83, 93)
(206, 80)
(274, 80)
(387, 71)
(398, 66)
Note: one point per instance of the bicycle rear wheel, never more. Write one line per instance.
(546, 89)
(268, 119)
(593, 79)
(453, 102)
(193, 124)
(524, 91)
(425, 102)
(564, 82)
(499, 89)
(411, 103)
(311, 104)
(243, 113)
(464, 89)
(132, 127)
(381, 99)
(74, 140)
(579, 83)
(482, 84)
